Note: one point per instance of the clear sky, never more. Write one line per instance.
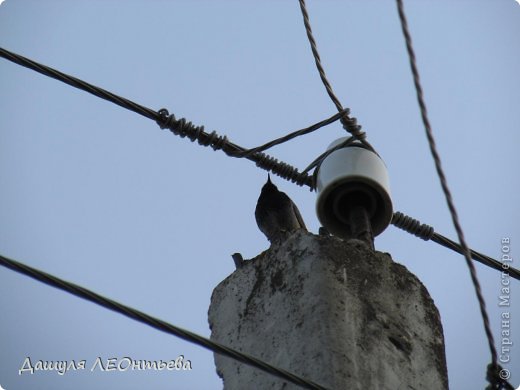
(102, 197)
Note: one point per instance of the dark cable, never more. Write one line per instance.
(349, 124)
(77, 83)
(317, 58)
(426, 232)
(318, 160)
(444, 183)
(179, 127)
(156, 323)
(187, 129)
(495, 380)
(292, 135)
(490, 262)
(184, 128)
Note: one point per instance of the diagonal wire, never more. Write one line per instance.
(179, 127)
(427, 232)
(147, 112)
(444, 182)
(80, 84)
(349, 123)
(293, 135)
(318, 160)
(262, 160)
(317, 58)
(486, 260)
(156, 323)
(186, 129)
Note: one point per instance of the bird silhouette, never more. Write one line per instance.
(276, 214)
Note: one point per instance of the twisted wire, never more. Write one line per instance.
(444, 182)
(294, 134)
(412, 226)
(318, 160)
(181, 127)
(349, 123)
(427, 232)
(317, 59)
(77, 83)
(184, 128)
(156, 323)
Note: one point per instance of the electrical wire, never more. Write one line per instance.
(490, 262)
(185, 129)
(156, 323)
(80, 84)
(349, 123)
(427, 232)
(179, 127)
(293, 135)
(444, 183)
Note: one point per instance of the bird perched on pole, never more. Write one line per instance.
(276, 214)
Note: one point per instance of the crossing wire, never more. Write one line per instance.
(427, 232)
(184, 128)
(164, 119)
(349, 123)
(156, 323)
(445, 188)
(180, 127)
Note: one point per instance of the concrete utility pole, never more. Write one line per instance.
(332, 311)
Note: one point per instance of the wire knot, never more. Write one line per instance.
(164, 118)
(497, 378)
(351, 125)
(413, 226)
(180, 127)
(184, 128)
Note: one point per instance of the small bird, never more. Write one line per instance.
(276, 214)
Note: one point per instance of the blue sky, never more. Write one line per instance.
(102, 197)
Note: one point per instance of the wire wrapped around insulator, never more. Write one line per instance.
(282, 169)
(350, 124)
(412, 226)
(184, 128)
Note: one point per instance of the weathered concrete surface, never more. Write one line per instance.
(331, 311)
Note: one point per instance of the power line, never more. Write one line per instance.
(490, 262)
(156, 323)
(427, 232)
(293, 135)
(317, 58)
(80, 84)
(184, 128)
(349, 123)
(444, 183)
(180, 127)
(397, 216)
